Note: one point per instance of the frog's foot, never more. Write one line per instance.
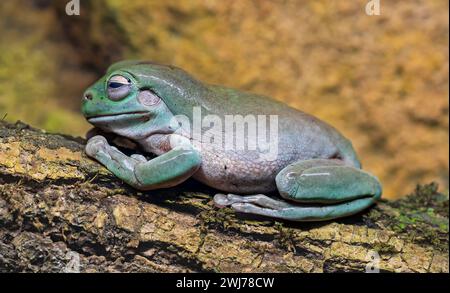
(118, 163)
(316, 190)
(237, 201)
(166, 170)
(258, 204)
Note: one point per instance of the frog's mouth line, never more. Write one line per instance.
(119, 116)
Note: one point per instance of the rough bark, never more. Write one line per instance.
(56, 203)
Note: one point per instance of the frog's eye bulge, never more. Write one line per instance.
(118, 87)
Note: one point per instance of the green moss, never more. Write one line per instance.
(224, 218)
(422, 216)
(284, 237)
(383, 248)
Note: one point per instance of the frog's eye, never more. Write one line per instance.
(118, 87)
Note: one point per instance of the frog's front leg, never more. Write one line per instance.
(316, 190)
(166, 170)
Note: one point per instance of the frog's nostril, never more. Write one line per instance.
(88, 96)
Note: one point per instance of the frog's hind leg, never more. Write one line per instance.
(316, 190)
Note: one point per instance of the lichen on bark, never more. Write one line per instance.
(55, 203)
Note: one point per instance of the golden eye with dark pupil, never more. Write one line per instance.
(118, 87)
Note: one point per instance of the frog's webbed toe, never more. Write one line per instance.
(257, 200)
(95, 145)
(139, 158)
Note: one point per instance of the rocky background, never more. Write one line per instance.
(382, 80)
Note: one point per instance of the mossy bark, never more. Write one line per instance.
(56, 203)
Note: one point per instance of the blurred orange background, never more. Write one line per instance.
(381, 80)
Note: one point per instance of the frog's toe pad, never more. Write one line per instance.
(139, 158)
(223, 200)
(96, 144)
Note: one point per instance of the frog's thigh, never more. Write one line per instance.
(166, 170)
(326, 181)
(325, 190)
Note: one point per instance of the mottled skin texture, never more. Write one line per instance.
(316, 170)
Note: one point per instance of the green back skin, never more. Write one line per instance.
(181, 92)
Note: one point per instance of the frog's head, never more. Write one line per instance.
(136, 99)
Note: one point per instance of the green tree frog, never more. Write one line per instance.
(315, 171)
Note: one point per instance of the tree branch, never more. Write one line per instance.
(56, 203)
